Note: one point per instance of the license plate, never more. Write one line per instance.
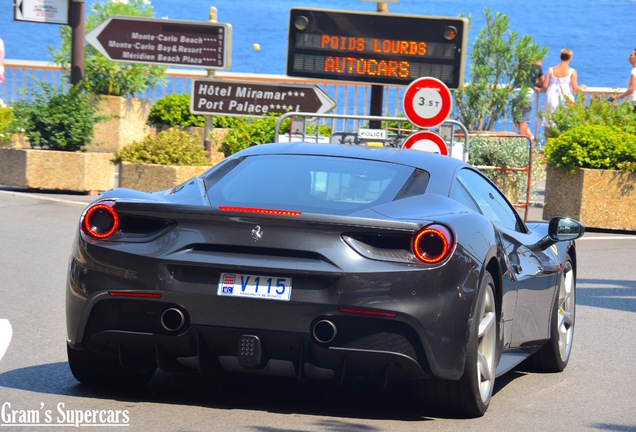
(254, 286)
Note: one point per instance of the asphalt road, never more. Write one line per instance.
(596, 391)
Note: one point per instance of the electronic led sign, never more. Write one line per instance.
(375, 48)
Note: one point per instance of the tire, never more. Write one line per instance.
(470, 395)
(99, 370)
(555, 354)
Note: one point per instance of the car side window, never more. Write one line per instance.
(461, 195)
(489, 200)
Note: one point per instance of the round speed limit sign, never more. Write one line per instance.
(427, 102)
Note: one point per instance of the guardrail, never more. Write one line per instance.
(352, 99)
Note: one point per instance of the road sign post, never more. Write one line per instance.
(253, 99)
(427, 102)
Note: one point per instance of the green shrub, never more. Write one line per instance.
(6, 116)
(248, 132)
(56, 120)
(174, 110)
(509, 153)
(598, 111)
(169, 147)
(225, 121)
(593, 146)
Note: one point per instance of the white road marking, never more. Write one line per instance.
(29, 195)
(6, 332)
(625, 237)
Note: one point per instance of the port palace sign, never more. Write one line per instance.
(252, 99)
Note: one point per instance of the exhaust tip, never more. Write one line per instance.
(324, 331)
(172, 319)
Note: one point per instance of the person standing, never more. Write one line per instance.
(630, 93)
(560, 83)
(534, 84)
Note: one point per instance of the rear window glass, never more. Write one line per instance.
(320, 184)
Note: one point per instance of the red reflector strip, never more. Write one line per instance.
(368, 312)
(133, 294)
(260, 211)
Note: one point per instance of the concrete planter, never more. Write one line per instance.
(150, 178)
(128, 123)
(56, 170)
(597, 198)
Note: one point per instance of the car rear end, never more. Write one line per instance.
(317, 285)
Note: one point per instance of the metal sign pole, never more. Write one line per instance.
(209, 123)
(375, 105)
(76, 13)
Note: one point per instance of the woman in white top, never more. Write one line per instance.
(560, 82)
(630, 93)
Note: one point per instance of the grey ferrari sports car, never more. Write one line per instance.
(323, 262)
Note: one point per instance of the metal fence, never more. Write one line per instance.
(350, 99)
(21, 76)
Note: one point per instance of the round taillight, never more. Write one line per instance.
(433, 244)
(101, 220)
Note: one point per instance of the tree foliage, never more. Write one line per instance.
(501, 60)
(101, 75)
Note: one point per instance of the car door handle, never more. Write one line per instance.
(517, 268)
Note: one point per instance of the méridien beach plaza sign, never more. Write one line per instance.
(376, 48)
(165, 42)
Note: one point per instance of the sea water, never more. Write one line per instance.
(600, 32)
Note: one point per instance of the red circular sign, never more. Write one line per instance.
(426, 141)
(427, 102)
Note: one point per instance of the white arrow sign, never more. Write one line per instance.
(42, 11)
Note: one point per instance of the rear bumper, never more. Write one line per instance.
(362, 347)
(426, 337)
(211, 350)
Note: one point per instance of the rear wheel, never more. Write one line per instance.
(97, 369)
(555, 354)
(470, 396)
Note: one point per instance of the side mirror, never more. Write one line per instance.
(562, 229)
